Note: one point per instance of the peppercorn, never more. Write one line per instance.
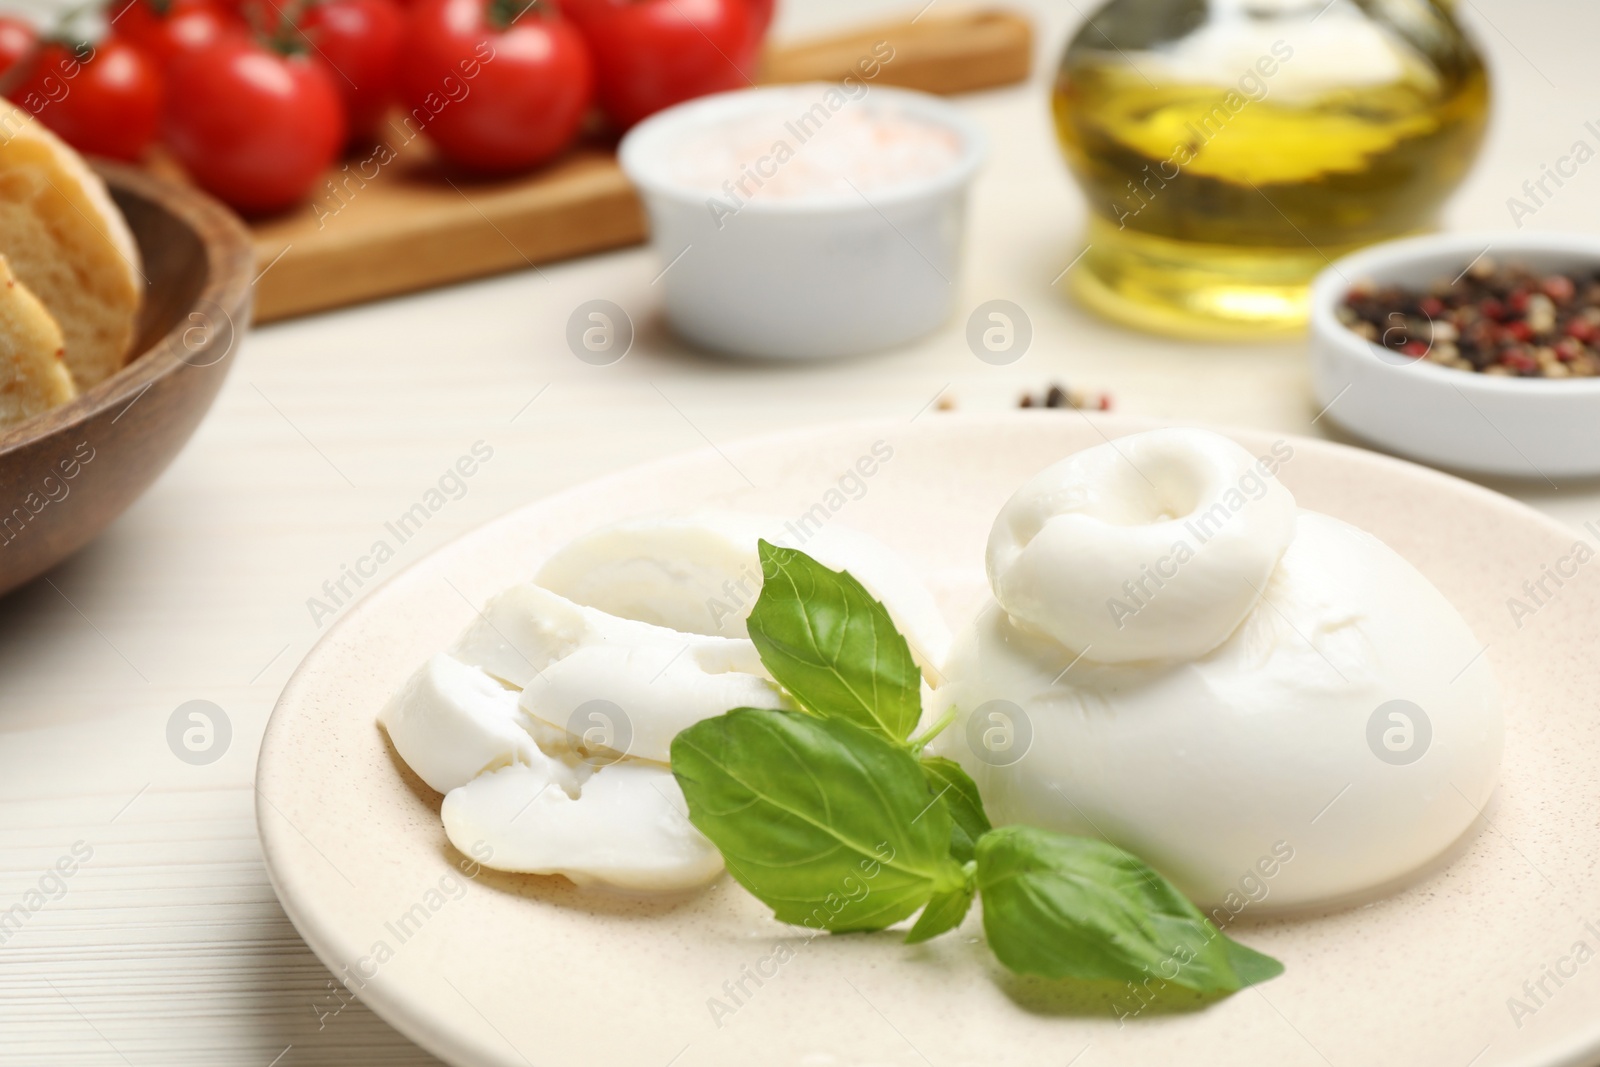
(1489, 319)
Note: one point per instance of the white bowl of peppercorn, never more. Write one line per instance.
(1476, 352)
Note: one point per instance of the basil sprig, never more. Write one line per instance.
(819, 818)
(832, 646)
(1074, 907)
(959, 794)
(834, 818)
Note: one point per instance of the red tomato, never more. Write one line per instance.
(761, 12)
(103, 100)
(500, 91)
(359, 40)
(578, 10)
(17, 38)
(165, 28)
(652, 54)
(253, 127)
(759, 15)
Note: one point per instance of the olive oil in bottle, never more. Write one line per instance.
(1231, 149)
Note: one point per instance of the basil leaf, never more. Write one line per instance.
(832, 646)
(955, 791)
(824, 822)
(1251, 966)
(959, 794)
(944, 912)
(1074, 907)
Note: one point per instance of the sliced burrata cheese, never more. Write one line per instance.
(633, 699)
(617, 686)
(521, 632)
(451, 722)
(701, 574)
(549, 723)
(627, 827)
(1351, 724)
(1154, 546)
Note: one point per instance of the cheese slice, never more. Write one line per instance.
(700, 574)
(33, 378)
(68, 243)
(451, 722)
(628, 827)
(620, 687)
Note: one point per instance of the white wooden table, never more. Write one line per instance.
(166, 946)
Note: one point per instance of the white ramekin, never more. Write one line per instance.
(817, 276)
(1534, 428)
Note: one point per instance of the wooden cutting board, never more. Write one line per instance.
(382, 227)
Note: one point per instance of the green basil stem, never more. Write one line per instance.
(935, 728)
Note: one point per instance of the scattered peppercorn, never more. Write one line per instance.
(1056, 396)
(1503, 321)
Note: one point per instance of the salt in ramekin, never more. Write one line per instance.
(821, 275)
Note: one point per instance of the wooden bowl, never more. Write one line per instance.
(67, 473)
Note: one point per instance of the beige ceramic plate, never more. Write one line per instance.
(1478, 965)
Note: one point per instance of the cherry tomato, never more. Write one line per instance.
(103, 100)
(17, 39)
(759, 15)
(503, 86)
(761, 12)
(652, 54)
(359, 40)
(254, 127)
(166, 28)
(578, 10)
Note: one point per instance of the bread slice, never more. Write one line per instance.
(68, 243)
(33, 377)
